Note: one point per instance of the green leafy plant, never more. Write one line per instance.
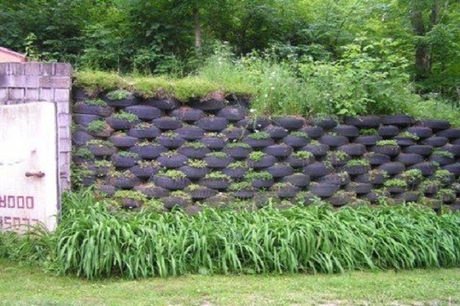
(409, 135)
(128, 154)
(240, 186)
(237, 165)
(219, 155)
(97, 126)
(368, 132)
(358, 163)
(261, 175)
(299, 134)
(217, 175)
(96, 102)
(100, 143)
(197, 163)
(259, 135)
(396, 183)
(387, 143)
(174, 174)
(233, 145)
(84, 153)
(445, 154)
(302, 155)
(125, 116)
(118, 95)
(256, 156)
(148, 163)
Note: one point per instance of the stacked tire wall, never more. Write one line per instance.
(213, 151)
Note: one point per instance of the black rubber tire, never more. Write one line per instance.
(436, 141)
(323, 190)
(436, 125)
(170, 142)
(218, 163)
(196, 153)
(258, 143)
(172, 161)
(163, 104)
(150, 151)
(264, 162)
(188, 114)
(409, 159)
(144, 133)
(213, 124)
(144, 112)
(144, 172)
(387, 131)
(398, 120)
(316, 170)
(194, 173)
(171, 183)
(102, 111)
(276, 132)
(424, 150)
(451, 133)
(190, 132)
(349, 131)
(314, 132)
(257, 123)
(421, 131)
(209, 104)
(80, 138)
(426, 168)
(296, 141)
(333, 141)
(279, 150)
(235, 133)
(298, 179)
(364, 122)
(369, 140)
(325, 123)
(280, 170)
(353, 149)
(393, 168)
(289, 122)
(232, 114)
(214, 143)
(84, 120)
(319, 150)
(167, 123)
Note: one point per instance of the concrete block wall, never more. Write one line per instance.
(34, 82)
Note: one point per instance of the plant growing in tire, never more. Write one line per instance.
(387, 147)
(152, 191)
(258, 140)
(102, 167)
(216, 180)
(123, 180)
(323, 190)
(194, 149)
(445, 177)
(83, 175)
(125, 159)
(177, 199)
(172, 159)
(170, 140)
(357, 166)
(148, 149)
(375, 177)
(214, 141)
(130, 199)
(259, 180)
(430, 187)
(242, 190)
(99, 128)
(406, 139)
(442, 157)
(337, 158)
(120, 98)
(285, 190)
(447, 196)
(316, 148)
(171, 180)
(145, 169)
(296, 139)
(341, 198)
(101, 148)
(237, 150)
(300, 159)
(82, 155)
(96, 107)
(144, 130)
(236, 170)
(280, 170)
(412, 177)
(122, 120)
(218, 160)
(260, 160)
(235, 133)
(396, 186)
(198, 192)
(212, 123)
(195, 169)
(122, 140)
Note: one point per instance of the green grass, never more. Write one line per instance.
(24, 285)
(94, 242)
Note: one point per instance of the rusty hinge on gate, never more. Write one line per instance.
(37, 174)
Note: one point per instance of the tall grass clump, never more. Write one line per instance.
(92, 241)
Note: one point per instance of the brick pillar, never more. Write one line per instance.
(35, 82)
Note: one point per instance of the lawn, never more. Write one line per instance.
(22, 285)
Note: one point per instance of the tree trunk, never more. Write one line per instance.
(196, 13)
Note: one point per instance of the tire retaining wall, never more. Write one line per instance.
(349, 161)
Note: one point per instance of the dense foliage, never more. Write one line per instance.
(382, 43)
(94, 242)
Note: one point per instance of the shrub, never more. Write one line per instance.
(257, 156)
(389, 143)
(259, 135)
(95, 102)
(126, 116)
(369, 132)
(302, 155)
(395, 183)
(444, 154)
(261, 175)
(358, 163)
(197, 163)
(118, 95)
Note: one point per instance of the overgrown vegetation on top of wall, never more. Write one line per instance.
(94, 242)
(367, 80)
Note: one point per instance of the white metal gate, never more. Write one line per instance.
(28, 166)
